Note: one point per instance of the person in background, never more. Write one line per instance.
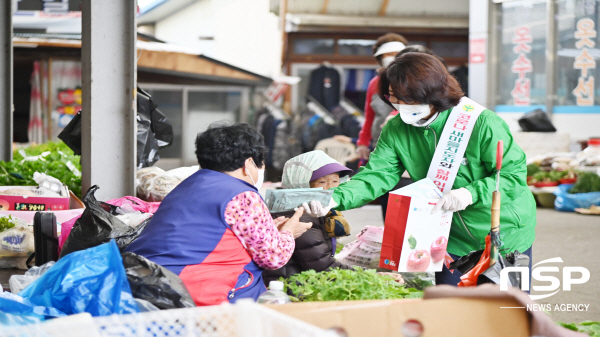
(376, 111)
(214, 229)
(316, 247)
(384, 50)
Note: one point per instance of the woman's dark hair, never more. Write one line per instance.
(389, 37)
(224, 148)
(418, 78)
(417, 48)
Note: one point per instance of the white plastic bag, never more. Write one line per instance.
(363, 252)
(20, 282)
(154, 184)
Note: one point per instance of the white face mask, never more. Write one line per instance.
(411, 114)
(386, 61)
(260, 179)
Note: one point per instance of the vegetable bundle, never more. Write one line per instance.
(59, 163)
(587, 327)
(586, 182)
(342, 284)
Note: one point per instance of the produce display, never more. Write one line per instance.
(587, 182)
(6, 222)
(346, 284)
(588, 327)
(53, 158)
(552, 176)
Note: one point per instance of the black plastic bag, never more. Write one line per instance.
(492, 274)
(161, 127)
(467, 262)
(154, 130)
(155, 284)
(97, 225)
(536, 121)
(71, 134)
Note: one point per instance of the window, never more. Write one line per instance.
(314, 46)
(521, 79)
(578, 55)
(355, 47)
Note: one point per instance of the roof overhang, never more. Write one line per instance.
(167, 60)
(300, 22)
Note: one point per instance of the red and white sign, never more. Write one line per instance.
(585, 35)
(522, 65)
(477, 51)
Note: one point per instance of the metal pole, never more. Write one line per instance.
(108, 130)
(6, 80)
(551, 47)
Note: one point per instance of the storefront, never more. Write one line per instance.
(542, 55)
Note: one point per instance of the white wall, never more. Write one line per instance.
(245, 33)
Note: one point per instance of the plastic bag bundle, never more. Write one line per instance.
(91, 280)
(16, 244)
(99, 224)
(155, 284)
(363, 252)
(15, 310)
(20, 282)
(154, 184)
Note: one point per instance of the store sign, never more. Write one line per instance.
(50, 6)
(477, 51)
(568, 278)
(584, 62)
(275, 90)
(522, 65)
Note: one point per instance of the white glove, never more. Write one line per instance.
(454, 201)
(316, 210)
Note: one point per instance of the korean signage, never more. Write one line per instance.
(521, 66)
(50, 6)
(584, 62)
(476, 51)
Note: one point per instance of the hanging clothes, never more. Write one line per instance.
(324, 86)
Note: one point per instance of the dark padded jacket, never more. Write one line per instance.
(313, 251)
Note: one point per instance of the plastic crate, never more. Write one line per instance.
(244, 319)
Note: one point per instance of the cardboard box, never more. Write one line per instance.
(42, 201)
(439, 317)
(76, 207)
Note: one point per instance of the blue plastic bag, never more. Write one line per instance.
(567, 202)
(91, 280)
(15, 310)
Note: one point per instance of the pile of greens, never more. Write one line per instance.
(586, 182)
(61, 163)
(587, 327)
(6, 222)
(552, 176)
(342, 284)
(533, 169)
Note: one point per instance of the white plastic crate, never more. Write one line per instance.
(244, 319)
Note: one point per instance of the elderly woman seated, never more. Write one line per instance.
(316, 247)
(213, 229)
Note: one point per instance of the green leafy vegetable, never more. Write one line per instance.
(412, 242)
(586, 182)
(342, 284)
(590, 328)
(532, 169)
(19, 172)
(6, 222)
(338, 247)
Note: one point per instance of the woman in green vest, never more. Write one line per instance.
(421, 89)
